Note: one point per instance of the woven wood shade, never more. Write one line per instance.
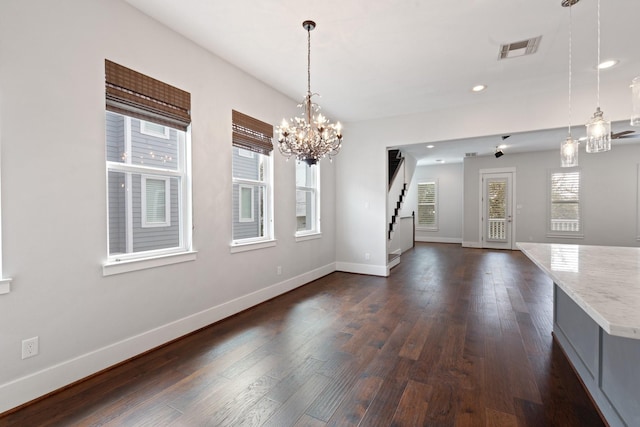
(251, 134)
(134, 94)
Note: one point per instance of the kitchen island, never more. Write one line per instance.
(596, 320)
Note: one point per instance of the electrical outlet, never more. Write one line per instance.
(367, 256)
(279, 270)
(29, 347)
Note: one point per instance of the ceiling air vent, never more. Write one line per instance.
(521, 48)
(470, 154)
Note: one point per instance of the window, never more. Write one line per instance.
(156, 206)
(246, 153)
(154, 129)
(564, 206)
(148, 173)
(427, 205)
(247, 207)
(307, 199)
(252, 216)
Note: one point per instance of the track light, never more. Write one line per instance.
(498, 152)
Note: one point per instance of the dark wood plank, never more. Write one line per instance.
(455, 336)
(413, 406)
(355, 405)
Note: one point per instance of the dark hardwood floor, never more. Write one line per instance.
(454, 337)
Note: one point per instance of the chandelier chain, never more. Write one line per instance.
(308, 61)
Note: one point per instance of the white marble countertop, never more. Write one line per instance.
(603, 280)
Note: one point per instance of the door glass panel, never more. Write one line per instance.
(497, 215)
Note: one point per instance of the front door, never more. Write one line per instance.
(497, 210)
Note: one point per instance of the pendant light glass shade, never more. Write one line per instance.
(598, 133)
(635, 101)
(569, 153)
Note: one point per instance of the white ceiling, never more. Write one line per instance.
(384, 58)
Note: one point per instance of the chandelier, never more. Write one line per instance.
(311, 136)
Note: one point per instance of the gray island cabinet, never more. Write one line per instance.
(596, 320)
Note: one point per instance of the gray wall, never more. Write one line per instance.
(609, 195)
(86, 321)
(450, 195)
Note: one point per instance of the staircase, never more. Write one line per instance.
(398, 189)
(395, 160)
(396, 211)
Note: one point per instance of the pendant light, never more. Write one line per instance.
(569, 147)
(598, 128)
(635, 101)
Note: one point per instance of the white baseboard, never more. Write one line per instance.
(438, 239)
(52, 378)
(471, 245)
(392, 264)
(372, 270)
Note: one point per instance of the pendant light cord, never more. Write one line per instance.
(570, 59)
(598, 64)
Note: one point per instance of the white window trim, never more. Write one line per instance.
(241, 203)
(149, 259)
(120, 266)
(638, 203)
(315, 232)
(246, 153)
(5, 284)
(146, 130)
(167, 201)
(436, 208)
(565, 234)
(315, 220)
(302, 237)
(268, 240)
(246, 245)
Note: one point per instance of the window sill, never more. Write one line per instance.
(565, 236)
(126, 266)
(5, 286)
(308, 236)
(432, 229)
(244, 247)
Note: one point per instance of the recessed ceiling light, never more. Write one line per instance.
(582, 138)
(430, 146)
(502, 147)
(607, 64)
(479, 88)
(439, 161)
